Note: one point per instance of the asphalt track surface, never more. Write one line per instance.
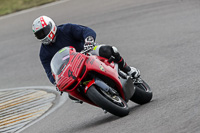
(160, 37)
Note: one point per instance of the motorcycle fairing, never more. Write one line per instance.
(69, 70)
(75, 66)
(101, 66)
(128, 88)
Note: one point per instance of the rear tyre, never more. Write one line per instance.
(113, 104)
(143, 93)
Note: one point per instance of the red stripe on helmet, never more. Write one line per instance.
(51, 35)
(43, 22)
(54, 29)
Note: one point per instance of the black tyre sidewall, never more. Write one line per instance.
(141, 95)
(95, 96)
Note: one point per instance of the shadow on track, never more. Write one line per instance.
(103, 120)
(98, 121)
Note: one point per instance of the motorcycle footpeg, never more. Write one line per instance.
(78, 101)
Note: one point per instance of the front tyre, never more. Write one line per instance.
(113, 104)
(143, 93)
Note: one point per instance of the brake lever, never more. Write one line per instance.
(86, 51)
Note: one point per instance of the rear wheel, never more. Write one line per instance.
(113, 104)
(143, 93)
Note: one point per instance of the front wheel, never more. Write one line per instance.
(143, 93)
(113, 104)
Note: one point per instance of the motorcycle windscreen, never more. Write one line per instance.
(60, 61)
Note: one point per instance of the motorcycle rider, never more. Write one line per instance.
(54, 37)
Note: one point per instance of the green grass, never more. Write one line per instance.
(10, 6)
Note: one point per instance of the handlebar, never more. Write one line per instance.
(86, 51)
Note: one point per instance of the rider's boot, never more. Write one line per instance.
(135, 73)
(131, 71)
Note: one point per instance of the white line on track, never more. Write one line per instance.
(22, 107)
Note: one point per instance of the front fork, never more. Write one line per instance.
(101, 85)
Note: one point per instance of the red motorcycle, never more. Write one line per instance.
(97, 81)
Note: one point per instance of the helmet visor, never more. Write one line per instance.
(42, 33)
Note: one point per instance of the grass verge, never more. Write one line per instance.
(10, 6)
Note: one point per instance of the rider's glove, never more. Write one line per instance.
(89, 43)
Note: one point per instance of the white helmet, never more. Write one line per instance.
(44, 29)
